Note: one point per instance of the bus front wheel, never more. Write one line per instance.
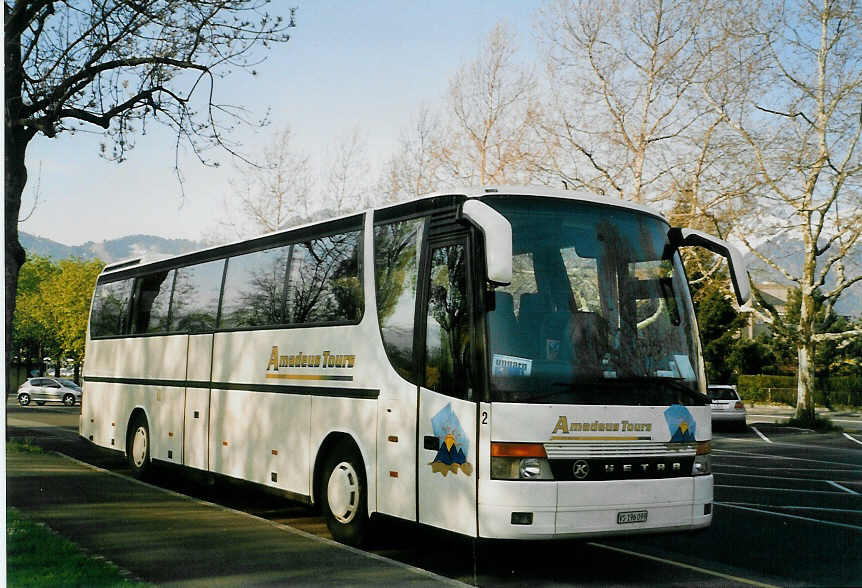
(344, 495)
(138, 446)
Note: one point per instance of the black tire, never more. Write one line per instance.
(40, 402)
(138, 447)
(23, 399)
(69, 399)
(344, 495)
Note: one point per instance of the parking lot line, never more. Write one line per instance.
(790, 516)
(759, 434)
(741, 455)
(795, 507)
(785, 468)
(680, 564)
(853, 438)
(769, 489)
(794, 479)
(840, 487)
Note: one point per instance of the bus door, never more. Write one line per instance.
(447, 432)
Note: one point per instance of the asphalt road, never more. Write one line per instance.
(788, 512)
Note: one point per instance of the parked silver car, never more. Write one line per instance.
(42, 390)
(727, 406)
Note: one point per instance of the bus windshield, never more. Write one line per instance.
(598, 311)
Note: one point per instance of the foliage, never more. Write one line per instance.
(34, 335)
(38, 557)
(720, 327)
(53, 307)
(831, 391)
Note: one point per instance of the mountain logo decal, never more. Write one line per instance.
(454, 444)
(681, 424)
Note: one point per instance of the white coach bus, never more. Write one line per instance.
(499, 362)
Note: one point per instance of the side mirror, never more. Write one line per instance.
(498, 240)
(738, 273)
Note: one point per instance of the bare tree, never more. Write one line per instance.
(271, 193)
(347, 174)
(623, 75)
(415, 168)
(118, 65)
(797, 72)
(493, 116)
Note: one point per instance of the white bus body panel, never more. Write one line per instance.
(105, 411)
(586, 508)
(256, 433)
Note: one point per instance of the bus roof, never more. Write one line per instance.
(468, 192)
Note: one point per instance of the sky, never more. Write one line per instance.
(370, 65)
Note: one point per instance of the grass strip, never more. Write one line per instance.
(38, 557)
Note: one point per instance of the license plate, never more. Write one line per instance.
(631, 516)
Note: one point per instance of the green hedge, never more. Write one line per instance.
(835, 391)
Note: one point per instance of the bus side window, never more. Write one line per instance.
(323, 282)
(151, 301)
(110, 309)
(196, 296)
(447, 335)
(396, 277)
(254, 289)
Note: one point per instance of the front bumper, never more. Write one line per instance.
(588, 509)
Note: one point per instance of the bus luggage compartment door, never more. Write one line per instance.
(196, 429)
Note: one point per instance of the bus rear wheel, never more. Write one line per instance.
(138, 446)
(344, 495)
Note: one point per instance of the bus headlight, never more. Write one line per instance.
(701, 465)
(520, 461)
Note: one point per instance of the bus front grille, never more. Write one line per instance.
(621, 460)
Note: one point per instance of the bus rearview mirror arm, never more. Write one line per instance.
(680, 237)
(498, 240)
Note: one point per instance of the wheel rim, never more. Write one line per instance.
(24, 399)
(139, 447)
(342, 492)
(68, 400)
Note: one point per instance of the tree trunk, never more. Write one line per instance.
(15, 178)
(805, 355)
(805, 383)
(16, 137)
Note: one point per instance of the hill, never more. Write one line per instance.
(110, 250)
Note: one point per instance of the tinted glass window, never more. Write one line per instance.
(324, 284)
(396, 270)
(598, 311)
(110, 309)
(447, 337)
(254, 289)
(151, 302)
(196, 297)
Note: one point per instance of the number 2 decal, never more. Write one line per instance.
(484, 417)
